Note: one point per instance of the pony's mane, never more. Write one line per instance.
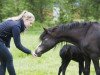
(69, 26)
(76, 25)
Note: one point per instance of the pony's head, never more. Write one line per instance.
(48, 40)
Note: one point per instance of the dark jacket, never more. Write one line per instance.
(13, 29)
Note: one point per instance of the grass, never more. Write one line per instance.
(48, 64)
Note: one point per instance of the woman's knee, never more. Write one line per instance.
(9, 58)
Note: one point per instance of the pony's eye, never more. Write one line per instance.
(43, 38)
(46, 39)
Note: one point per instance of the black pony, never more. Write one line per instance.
(85, 35)
(68, 53)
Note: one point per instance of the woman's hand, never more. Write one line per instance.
(8, 48)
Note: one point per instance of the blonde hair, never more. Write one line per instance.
(25, 14)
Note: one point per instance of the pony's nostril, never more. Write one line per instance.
(37, 54)
(34, 54)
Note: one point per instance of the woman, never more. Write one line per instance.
(12, 27)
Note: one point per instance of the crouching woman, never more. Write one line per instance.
(12, 27)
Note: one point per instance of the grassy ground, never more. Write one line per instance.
(48, 64)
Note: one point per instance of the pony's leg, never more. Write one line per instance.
(87, 66)
(63, 67)
(81, 67)
(60, 69)
(96, 65)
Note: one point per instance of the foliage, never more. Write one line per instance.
(79, 9)
(38, 7)
(70, 10)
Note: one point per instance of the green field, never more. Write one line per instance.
(48, 64)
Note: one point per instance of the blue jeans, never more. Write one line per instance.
(6, 60)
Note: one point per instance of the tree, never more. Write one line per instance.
(1, 2)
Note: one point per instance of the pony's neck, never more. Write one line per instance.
(74, 35)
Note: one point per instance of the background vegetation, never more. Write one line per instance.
(70, 10)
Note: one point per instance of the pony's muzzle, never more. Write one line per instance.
(37, 54)
(34, 54)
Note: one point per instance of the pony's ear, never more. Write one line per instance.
(53, 30)
(45, 29)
